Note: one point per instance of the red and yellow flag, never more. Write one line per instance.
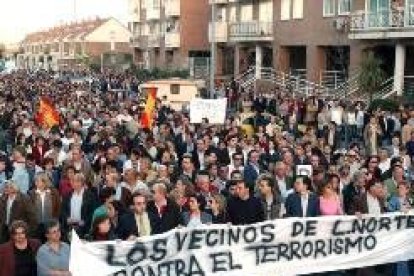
(147, 117)
(47, 115)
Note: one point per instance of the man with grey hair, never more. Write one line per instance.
(15, 206)
(165, 212)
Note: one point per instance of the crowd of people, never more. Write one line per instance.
(101, 174)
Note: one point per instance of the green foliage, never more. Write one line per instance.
(384, 104)
(371, 75)
(157, 73)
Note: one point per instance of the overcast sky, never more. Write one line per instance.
(18, 17)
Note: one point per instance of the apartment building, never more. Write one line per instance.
(64, 46)
(387, 28)
(244, 34)
(170, 33)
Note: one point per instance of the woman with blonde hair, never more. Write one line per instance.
(218, 209)
(46, 201)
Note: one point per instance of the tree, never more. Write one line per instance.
(371, 75)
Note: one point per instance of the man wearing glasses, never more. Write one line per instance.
(136, 223)
(53, 256)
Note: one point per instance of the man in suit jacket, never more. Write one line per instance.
(252, 169)
(78, 207)
(302, 203)
(392, 183)
(15, 206)
(138, 222)
(371, 202)
(166, 212)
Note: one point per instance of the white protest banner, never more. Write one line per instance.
(280, 247)
(212, 109)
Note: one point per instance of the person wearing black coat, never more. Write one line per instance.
(166, 213)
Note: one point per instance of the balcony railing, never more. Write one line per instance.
(386, 20)
(172, 40)
(139, 41)
(254, 30)
(154, 40)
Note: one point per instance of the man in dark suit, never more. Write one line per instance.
(252, 169)
(166, 212)
(136, 223)
(371, 202)
(15, 206)
(199, 155)
(302, 203)
(78, 207)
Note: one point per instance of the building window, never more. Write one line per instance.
(297, 12)
(175, 89)
(328, 8)
(285, 10)
(344, 7)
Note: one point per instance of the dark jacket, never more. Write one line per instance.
(274, 208)
(242, 212)
(293, 206)
(361, 205)
(22, 209)
(89, 204)
(167, 220)
(55, 199)
(250, 175)
(7, 263)
(127, 225)
(349, 194)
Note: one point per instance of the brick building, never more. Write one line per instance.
(169, 33)
(67, 45)
(320, 40)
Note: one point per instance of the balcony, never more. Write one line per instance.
(387, 24)
(221, 32)
(154, 41)
(251, 31)
(211, 2)
(153, 14)
(172, 8)
(139, 41)
(172, 40)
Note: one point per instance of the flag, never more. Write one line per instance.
(47, 115)
(147, 116)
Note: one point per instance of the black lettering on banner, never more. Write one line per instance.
(295, 248)
(120, 273)
(310, 228)
(269, 255)
(195, 239)
(249, 238)
(371, 225)
(234, 236)
(319, 249)
(211, 242)
(180, 238)
(349, 243)
(297, 228)
(160, 250)
(335, 231)
(410, 222)
(195, 268)
(256, 250)
(370, 242)
(337, 247)
(138, 271)
(307, 249)
(180, 268)
(283, 251)
(399, 220)
(384, 223)
(223, 261)
(137, 254)
(110, 249)
(267, 233)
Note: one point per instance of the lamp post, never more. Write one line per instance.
(213, 49)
